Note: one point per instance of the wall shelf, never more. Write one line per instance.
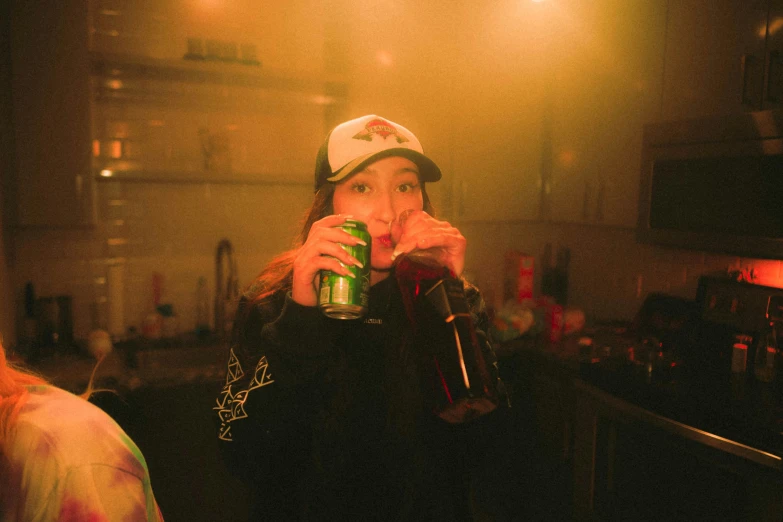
(214, 72)
(206, 178)
(121, 78)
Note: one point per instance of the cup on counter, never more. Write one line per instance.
(54, 321)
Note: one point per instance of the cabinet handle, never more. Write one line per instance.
(600, 201)
(747, 63)
(586, 202)
(773, 79)
(627, 410)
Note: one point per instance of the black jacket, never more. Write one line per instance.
(325, 420)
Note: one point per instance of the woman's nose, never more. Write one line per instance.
(385, 210)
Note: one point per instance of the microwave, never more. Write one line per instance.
(714, 184)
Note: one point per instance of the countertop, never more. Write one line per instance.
(740, 409)
(130, 366)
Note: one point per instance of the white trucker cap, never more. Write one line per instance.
(353, 145)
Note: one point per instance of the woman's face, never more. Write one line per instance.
(376, 196)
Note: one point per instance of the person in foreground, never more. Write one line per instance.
(326, 419)
(63, 458)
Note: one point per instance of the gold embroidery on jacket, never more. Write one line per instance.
(230, 406)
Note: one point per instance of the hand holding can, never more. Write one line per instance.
(347, 296)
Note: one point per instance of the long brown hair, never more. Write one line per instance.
(278, 274)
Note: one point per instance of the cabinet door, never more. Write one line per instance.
(460, 76)
(497, 112)
(631, 464)
(773, 79)
(605, 70)
(714, 57)
(50, 90)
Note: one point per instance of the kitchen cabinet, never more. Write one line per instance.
(51, 114)
(199, 92)
(185, 120)
(722, 57)
(542, 404)
(470, 96)
(604, 70)
(555, 106)
(495, 112)
(105, 93)
(631, 464)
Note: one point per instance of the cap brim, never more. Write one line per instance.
(428, 170)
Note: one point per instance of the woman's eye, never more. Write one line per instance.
(406, 187)
(361, 188)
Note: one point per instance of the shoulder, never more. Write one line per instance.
(251, 309)
(473, 295)
(57, 424)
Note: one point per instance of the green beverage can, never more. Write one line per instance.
(345, 297)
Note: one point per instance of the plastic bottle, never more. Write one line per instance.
(202, 308)
(766, 355)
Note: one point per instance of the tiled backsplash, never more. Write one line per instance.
(610, 273)
(174, 229)
(171, 229)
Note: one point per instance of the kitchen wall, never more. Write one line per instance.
(610, 273)
(7, 323)
(159, 223)
(463, 76)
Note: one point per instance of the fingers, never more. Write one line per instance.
(323, 246)
(422, 231)
(322, 251)
(442, 241)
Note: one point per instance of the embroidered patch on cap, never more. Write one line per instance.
(354, 144)
(382, 128)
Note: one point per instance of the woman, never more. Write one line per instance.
(62, 458)
(324, 418)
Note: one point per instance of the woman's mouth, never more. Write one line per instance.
(384, 240)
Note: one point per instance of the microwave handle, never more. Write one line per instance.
(772, 83)
(746, 97)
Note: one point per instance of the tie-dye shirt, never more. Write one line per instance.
(69, 461)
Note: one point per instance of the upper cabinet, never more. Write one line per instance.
(496, 97)
(554, 99)
(173, 91)
(210, 91)
(184, 120)
(603, 70)
(51, 114)
(722, 57)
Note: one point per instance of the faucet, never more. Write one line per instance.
(226, 287)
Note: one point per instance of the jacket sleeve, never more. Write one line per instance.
(480, 318)
(277, 360)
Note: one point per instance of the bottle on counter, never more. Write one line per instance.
(202, 308)
(766, 360)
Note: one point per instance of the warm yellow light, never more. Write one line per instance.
(106, 173)
(775, 24)
(384, 58)
(320, 99)
(566, 158)
(115, 149)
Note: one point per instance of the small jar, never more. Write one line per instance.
(739, 358)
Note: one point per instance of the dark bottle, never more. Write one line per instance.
(455, 379)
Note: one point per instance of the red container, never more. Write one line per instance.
(518, 280)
